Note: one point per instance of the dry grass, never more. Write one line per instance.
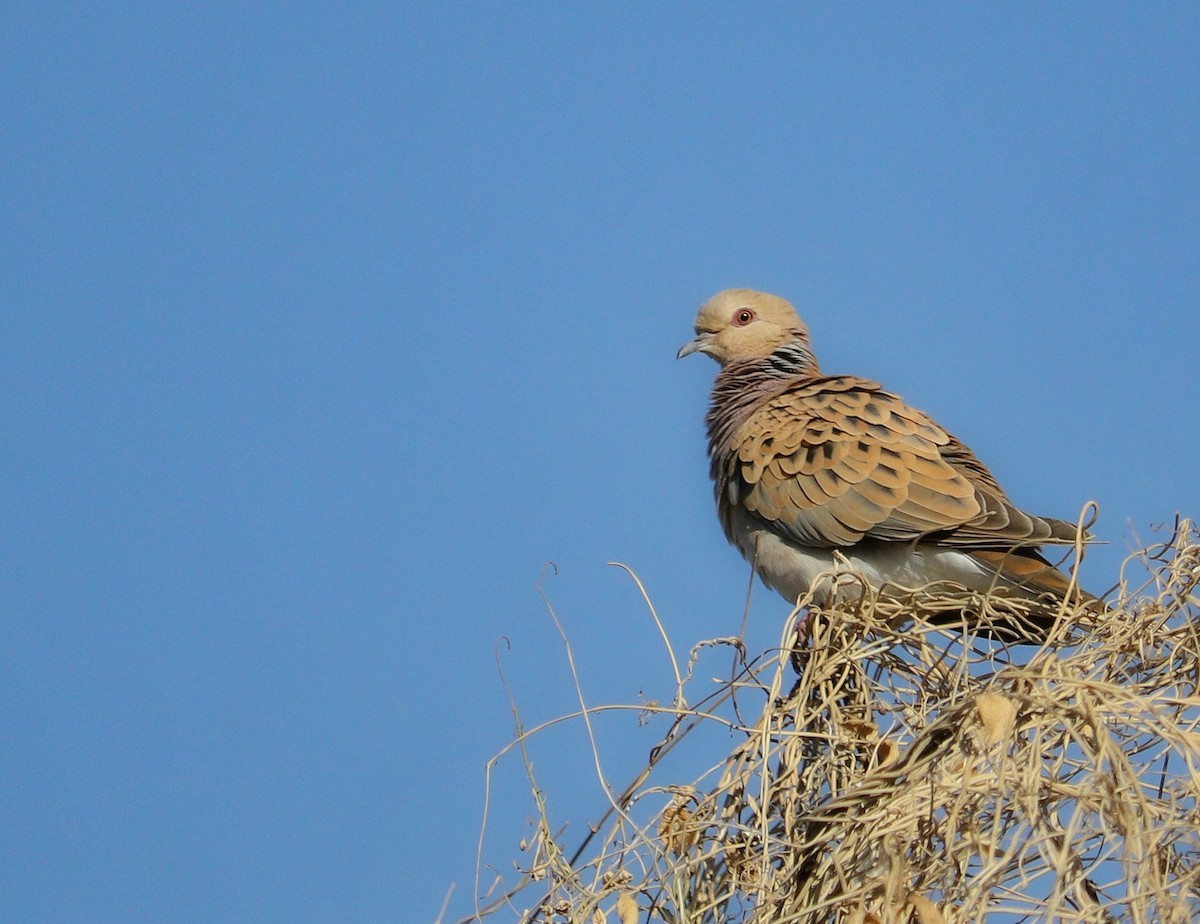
(915, 775)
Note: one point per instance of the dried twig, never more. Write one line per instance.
(911, 774)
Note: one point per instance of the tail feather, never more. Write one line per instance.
(1024, 574)
(1027, 572)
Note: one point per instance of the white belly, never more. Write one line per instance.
(839, 573)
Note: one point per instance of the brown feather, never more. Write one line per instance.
(833, 461)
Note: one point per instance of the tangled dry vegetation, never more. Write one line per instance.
(907, 774)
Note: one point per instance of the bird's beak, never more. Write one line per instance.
(699, 345)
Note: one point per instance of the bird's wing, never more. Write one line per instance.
(835, 460)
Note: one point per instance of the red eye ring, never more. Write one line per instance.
(742, 317)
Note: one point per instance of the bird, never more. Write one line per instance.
(816, 473)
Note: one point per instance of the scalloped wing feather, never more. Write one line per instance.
(829, 462)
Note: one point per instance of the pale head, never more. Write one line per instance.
(740, 324)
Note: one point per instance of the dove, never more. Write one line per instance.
(817, 473)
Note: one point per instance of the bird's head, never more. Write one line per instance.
(740, 324)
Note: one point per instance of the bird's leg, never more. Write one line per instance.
(800, 636)
(801, 628)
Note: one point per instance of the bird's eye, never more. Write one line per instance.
(742, 317)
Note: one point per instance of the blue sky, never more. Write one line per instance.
(324, 330)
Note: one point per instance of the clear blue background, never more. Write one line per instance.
(323, 330)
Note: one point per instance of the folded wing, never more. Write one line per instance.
(832, 461)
